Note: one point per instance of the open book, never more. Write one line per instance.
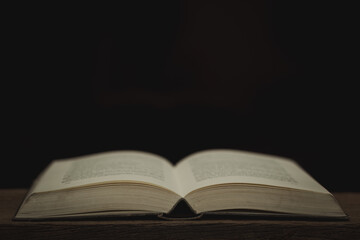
(130, 183)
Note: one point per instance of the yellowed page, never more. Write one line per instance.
(107, 167)
(213, 167)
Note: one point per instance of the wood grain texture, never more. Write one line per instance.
(125, 228)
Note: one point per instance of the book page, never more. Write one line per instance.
(232, 166)
(106, 168)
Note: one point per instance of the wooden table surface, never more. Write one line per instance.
(234, 228)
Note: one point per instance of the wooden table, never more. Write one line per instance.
(238, 228)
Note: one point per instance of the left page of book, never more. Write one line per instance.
(107, 168)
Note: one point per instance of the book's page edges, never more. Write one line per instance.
(21, 204)
(181, 211)
(95, 217)
(338, 203)
(27, 195)
(30, 190)
(270, 215)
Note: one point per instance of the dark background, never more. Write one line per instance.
(174, 77)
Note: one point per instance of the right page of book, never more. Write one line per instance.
(214, 167)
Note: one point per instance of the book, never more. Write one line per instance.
(209, 182)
